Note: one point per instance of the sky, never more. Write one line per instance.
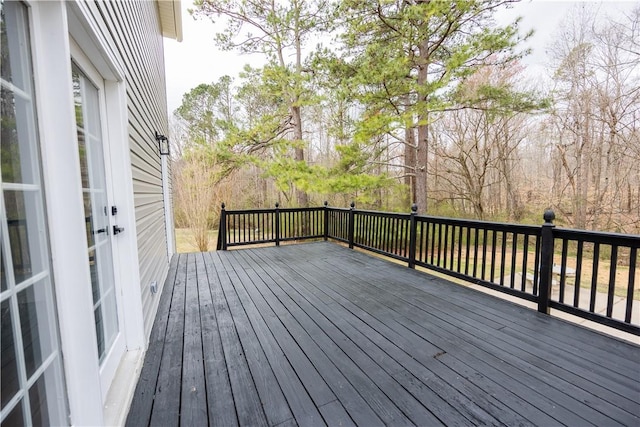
(197, 60)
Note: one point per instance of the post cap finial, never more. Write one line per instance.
(353, 204)
(326, 203)
(223, 205)
(277, 205)
(414, 208)
(549, 216)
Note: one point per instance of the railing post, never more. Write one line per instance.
(277, 220)
(351, 224)
(326, 220)
(222, 230)
(413, 229)
(546, 262)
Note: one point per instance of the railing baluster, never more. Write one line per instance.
(633, 255)
(563, 270)
(467, 250)
(276, 220)
(594, 277)
(514, 244)
(494, 243)
(475, 251)
(612, 279)
(536, 263)
(525, 255)
(452, 246)
(446, 245)
(235, 227)
(421, 247)
(432, 235)
(503, 257)
(484, 253)
(460, 228)
(576, 290)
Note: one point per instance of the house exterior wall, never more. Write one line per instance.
(135, 30)
(117, 48)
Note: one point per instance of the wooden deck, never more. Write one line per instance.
(316, 334)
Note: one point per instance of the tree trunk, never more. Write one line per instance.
(410, 164)
(301, 196)
(422, 147)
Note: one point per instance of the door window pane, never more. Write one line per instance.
(15, 417)
(9, 372)
(25, 230)
(96, 209)
(38, 402)
(3, 274)
(29, 341)
(34, 305)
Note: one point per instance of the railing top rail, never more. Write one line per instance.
(250, 211)
(620, 239)
(498, 226)
(382, 213)
(270, 210)
(310, 209)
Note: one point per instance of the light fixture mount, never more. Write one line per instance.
(163, 144)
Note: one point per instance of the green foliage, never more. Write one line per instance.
(407, 58)
(208, 111)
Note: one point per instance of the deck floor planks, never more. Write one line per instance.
(574, 363)
(166, 405)
(140, 411)
(487, 337)
(273, 400)
(220, 401)
(356, 373)
(356, 345)
(565, 348)
(383, 342)
(446, 376)
(435, 371)
(567, 416)
(528, 322)
(522, 377)
(303, 407)
(193, 404)
(245, 395)
(441, 408)
(351, 399)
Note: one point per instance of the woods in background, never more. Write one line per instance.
(414, 101)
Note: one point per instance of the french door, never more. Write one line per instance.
(32, 385)
(100, 228)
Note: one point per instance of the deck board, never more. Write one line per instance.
(317, 334)
(525, 367)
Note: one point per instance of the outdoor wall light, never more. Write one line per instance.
(163, 144)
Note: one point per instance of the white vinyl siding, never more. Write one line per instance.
(133, 31)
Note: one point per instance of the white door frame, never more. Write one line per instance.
(118, 347)
(52, 24)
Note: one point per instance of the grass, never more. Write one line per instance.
(185, 242)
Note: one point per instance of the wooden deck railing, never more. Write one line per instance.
(589, 274)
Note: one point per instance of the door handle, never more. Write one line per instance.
(100, 230)
(117, 229)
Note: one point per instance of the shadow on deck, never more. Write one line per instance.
(316, 334)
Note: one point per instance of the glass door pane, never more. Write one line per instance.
(96, 209)
(32, 381)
